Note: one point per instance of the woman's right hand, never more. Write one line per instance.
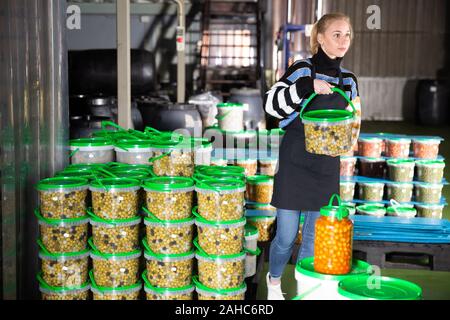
(322, 87)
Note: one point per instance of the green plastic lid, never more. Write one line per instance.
(256, 218)
(230, 105)
(200, 219)
(306, 267)
(431, 163)
(221, 169)
(86, 166)
(90, 142)
(132, 174)
(401, 210)
(170, 144)
(369, 159)
(332, 211)
(115, 183)
(161, 256)
(372, 208)
(61, 183)
(384, 288)
(259, 179)
(168, 183)
(75, 173)
(427, 140)
(250, 230)
(220, 184)
(133, 144)
(396, 162)
(399, 140)
(328, 115)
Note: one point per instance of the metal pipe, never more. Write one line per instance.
(181, 53)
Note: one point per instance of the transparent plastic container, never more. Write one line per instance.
(115, 236)
(63, 293)
(169, 237)
(131, 292)
(371, 191)
(231, 116)
(260, 189)
(205, 293)
(430, 171)
(250, 166)
(400, 192)
(426, 148)
(64, 269)
(401, 211)
(348, 166)
(170, 198)
(370, 147)
(59, 236)
(220, 237)
(268, 167)
(173, 159)
(115, 198)
(115, 270)
(433, 211)
(374, 210)
(169, 270)
(133, 151)
(220, 200)
(401, 170)
(333, 241)
(299, 239)
(347, 190)
(398, 148)
(429, 193)
(91, 150)
(63, 198)
(155, 293)
(221, 272)
(265, 226)
(203, 154)
(251, 237)
(372, 167)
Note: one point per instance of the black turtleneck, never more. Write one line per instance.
(324, 64)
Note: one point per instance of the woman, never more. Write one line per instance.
(304, 181)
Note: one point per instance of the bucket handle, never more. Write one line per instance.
(151, 160)
(342, 93)
(334, 196)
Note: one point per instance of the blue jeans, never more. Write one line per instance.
(286, 234)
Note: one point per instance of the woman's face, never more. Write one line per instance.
(336, 39)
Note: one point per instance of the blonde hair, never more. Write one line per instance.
(322, 25)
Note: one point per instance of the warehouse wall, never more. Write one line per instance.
(33, 130)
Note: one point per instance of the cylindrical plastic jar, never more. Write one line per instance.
(429, 193)
(348, 165)
(251, 237)
(155, 293)
(268, 167)
(133, 151)
(372, 167)
(430, 171)
(64, 269)
(401, 170)
(433, 211)
(173, 159)
(115, 198)
(220, 200)
(333, 242)
(231, 116)
(221, 271)
(116, 269)
(91, 150)
(203, 154)
(370, 147)
(374, 210)
(170, 236)
(265, 226)
(401, 211)
(59, 236)
(400, 192)
(63, 293)
(131, 292)
(115, 236)
(398, 148)
(170, 198)
(205, 293)
(220, 237)
(371, 191)
(347, 190)
(63, 198)
(250, 166)
(426, 148)
(260, 189)
(251, 247)
(169, 270)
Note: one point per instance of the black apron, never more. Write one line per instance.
(306, 181)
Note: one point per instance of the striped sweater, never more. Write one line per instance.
(286, 97)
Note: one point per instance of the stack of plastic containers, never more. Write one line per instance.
(115, 239)
(168, 244)
(63, 226)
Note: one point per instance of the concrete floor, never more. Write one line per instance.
(435, 285)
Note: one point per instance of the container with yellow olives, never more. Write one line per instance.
(173, 159)
(131, 292)
(206, 293)
(265, 226)
(155, 293)
(49, 292)
(260, 189)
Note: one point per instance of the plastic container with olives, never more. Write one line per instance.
(91, 150)
(205, 293)
(260, 189)
(115, 236)
(64, 269)
(433, 211)
(347, 167)
(63, 293)
(398, 148)
(372, 167)
(268, 166)
(374, 210)
(168, 270)
(133, 151)
(426, 148)
(115, 198)
(401, 170)
(155, 293)
(250, 166)
(173, 159)
(400, 192)
(169, 236)
(59, 236)
(220, 200)
(115, 269)
(347, 190)
(63, 198)
(430, 171)
(429, 193)
(371, 191)
(170, 198)
(370, 147)
(131, 292)
(265, 226)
